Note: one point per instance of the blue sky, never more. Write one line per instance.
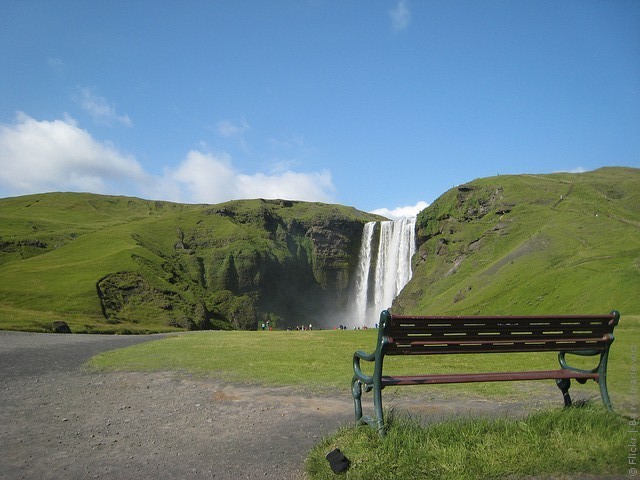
(373, 104)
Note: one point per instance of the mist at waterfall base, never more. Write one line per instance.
(384, 268)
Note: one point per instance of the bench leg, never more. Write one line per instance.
(377, 405)
(563, 385)
(356, 392)
(602, 380)
(604, 393)
(376, 422)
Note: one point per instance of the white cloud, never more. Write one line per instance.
(314, 186)
(42, 156)
(100, 110)
(208, 178)
(55, 63)
(288, 142)
(37, 156)
(280, 166)
(200, 178)
(400, 15)
(402, 212)
(227, 128)
(574, 170)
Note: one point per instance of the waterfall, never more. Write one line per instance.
(364, 265)
(391, 263)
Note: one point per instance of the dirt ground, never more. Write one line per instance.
(59, 421)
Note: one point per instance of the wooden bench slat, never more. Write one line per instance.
(498, 328)
(498, 323)
(491, 327)
(470, 351)
(493, 348)
(403, 337)
(405, 346)
(410, 342)
(501, 318)
(444, 378)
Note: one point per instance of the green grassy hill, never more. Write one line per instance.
(118, 264)
(558, 243)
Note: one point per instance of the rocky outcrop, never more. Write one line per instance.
(443, 223)
(60, 326)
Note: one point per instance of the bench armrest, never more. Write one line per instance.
(357, 371)
(602, 363)
(376, 356)
(369, 357)
(565, 365)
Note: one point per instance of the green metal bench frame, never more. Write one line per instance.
(585, 335)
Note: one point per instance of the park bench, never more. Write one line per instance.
(585, 335)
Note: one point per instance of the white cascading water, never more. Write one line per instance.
(362, 275)
(392, 259)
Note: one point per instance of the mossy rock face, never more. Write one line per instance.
(127, 296)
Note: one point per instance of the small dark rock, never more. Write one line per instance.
(338, 462)
(60, 327)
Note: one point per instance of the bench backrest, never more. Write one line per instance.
(432, 335)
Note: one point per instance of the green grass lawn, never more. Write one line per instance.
(554, 441)
(322, 361)
(547, 444)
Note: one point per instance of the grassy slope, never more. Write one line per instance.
(556, 243)
(83, 238)
(56, 247)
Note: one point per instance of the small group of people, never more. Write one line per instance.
(344, 327)
(266, 325)
(304, 328)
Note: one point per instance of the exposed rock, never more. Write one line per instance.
(60, 327)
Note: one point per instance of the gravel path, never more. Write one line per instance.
(58, 421)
